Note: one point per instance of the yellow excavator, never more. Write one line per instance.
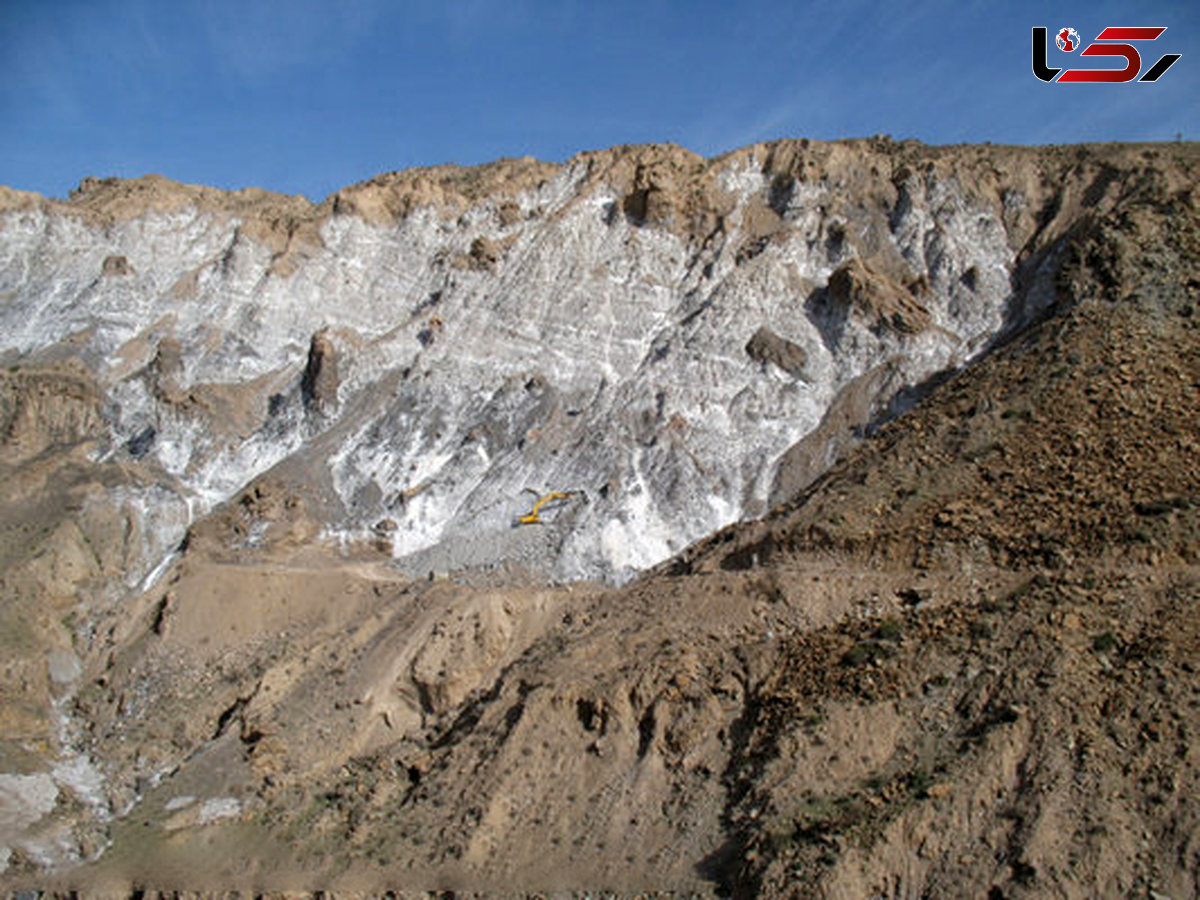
(533, 517)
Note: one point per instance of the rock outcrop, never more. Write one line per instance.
(43, 408)
(768, 347)
(882, 302)
(115, 266)
(319, 384)
(167, 370)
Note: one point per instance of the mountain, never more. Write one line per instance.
(873, 573)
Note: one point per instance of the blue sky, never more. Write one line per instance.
(305, 96)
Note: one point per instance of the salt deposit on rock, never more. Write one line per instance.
(443, 353)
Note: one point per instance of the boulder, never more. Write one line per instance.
(766, 346)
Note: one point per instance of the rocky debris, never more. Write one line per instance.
(766, 346)
(319, 384)
(268, 517)
(460, 655)
(848, 770)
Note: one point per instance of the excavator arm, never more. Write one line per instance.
(532, 517)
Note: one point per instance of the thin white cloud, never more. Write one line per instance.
(252, 40)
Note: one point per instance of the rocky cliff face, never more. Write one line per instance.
(447, 345)
(233, 425)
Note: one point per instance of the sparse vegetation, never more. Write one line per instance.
(1105, 642)
(861, 654)
(980, 631)
(890, 630)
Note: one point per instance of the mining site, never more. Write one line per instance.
(821, 519)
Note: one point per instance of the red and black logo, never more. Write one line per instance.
(1067, 40)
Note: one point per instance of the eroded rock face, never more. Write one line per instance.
(470, 336)
(527, 328)
(209, 463)
(44, 408)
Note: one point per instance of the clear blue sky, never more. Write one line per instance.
(305, 97)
